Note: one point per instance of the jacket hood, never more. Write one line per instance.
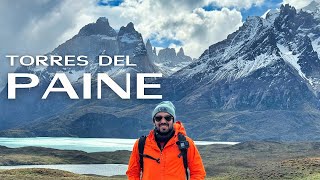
(179, 128)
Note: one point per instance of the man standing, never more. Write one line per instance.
(166, 153)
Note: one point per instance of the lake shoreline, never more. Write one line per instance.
(82, 144)
(51, 174)
(84, 169)
(40, 155)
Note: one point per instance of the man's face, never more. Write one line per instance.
(163, 122)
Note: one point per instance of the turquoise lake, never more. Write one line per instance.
(82, 144)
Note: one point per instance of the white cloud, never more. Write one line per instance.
(30, 27)
(298, 4)
(193, 26)
(38, 26)
(239, 4)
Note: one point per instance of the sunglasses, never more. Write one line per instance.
(167, 118)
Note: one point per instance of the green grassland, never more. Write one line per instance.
(244, 161)
(40, 155)
(48, 174)
(262, 160)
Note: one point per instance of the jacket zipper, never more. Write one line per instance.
(161, 160)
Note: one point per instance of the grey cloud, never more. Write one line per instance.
(16, 15)
(38, 26)
(31, 27)
(180, 4)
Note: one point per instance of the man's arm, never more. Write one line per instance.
(133, 171)
(197, 171)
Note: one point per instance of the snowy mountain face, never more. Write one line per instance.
(298, 44)
(168, 60)
(314, 9)
(270, 62)
(91, 41)
(131, 43)
(101, 39)
(94, 39)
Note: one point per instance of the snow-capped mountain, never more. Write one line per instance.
(101, 39)
(266, 74)
(270, 62)
(91, 41)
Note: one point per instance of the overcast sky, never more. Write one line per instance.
(38, 26)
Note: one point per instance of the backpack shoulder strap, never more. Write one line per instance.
(142, 142)
(183, 146)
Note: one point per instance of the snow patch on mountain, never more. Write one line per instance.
(264, 16)
(316, 46)
(190, 72)
(270, 16)
(104, 37)
(241, 68)
(252, 26)
(129, 38)
(74, 75)
(293, 59)
(117, 71)
(233, 48)
(167, 70)
(39, 68)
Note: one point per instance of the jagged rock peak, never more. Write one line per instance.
(271, 14)
(149, 46)
(155, 50)
(253, 19)
(181, 52)
(129, 29)
(286, 16)
(287, 9)
(167, 52)
(101, 27)
(130, 25)
(102, 20)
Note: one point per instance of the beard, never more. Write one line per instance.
(163, 129)
(162, 136)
